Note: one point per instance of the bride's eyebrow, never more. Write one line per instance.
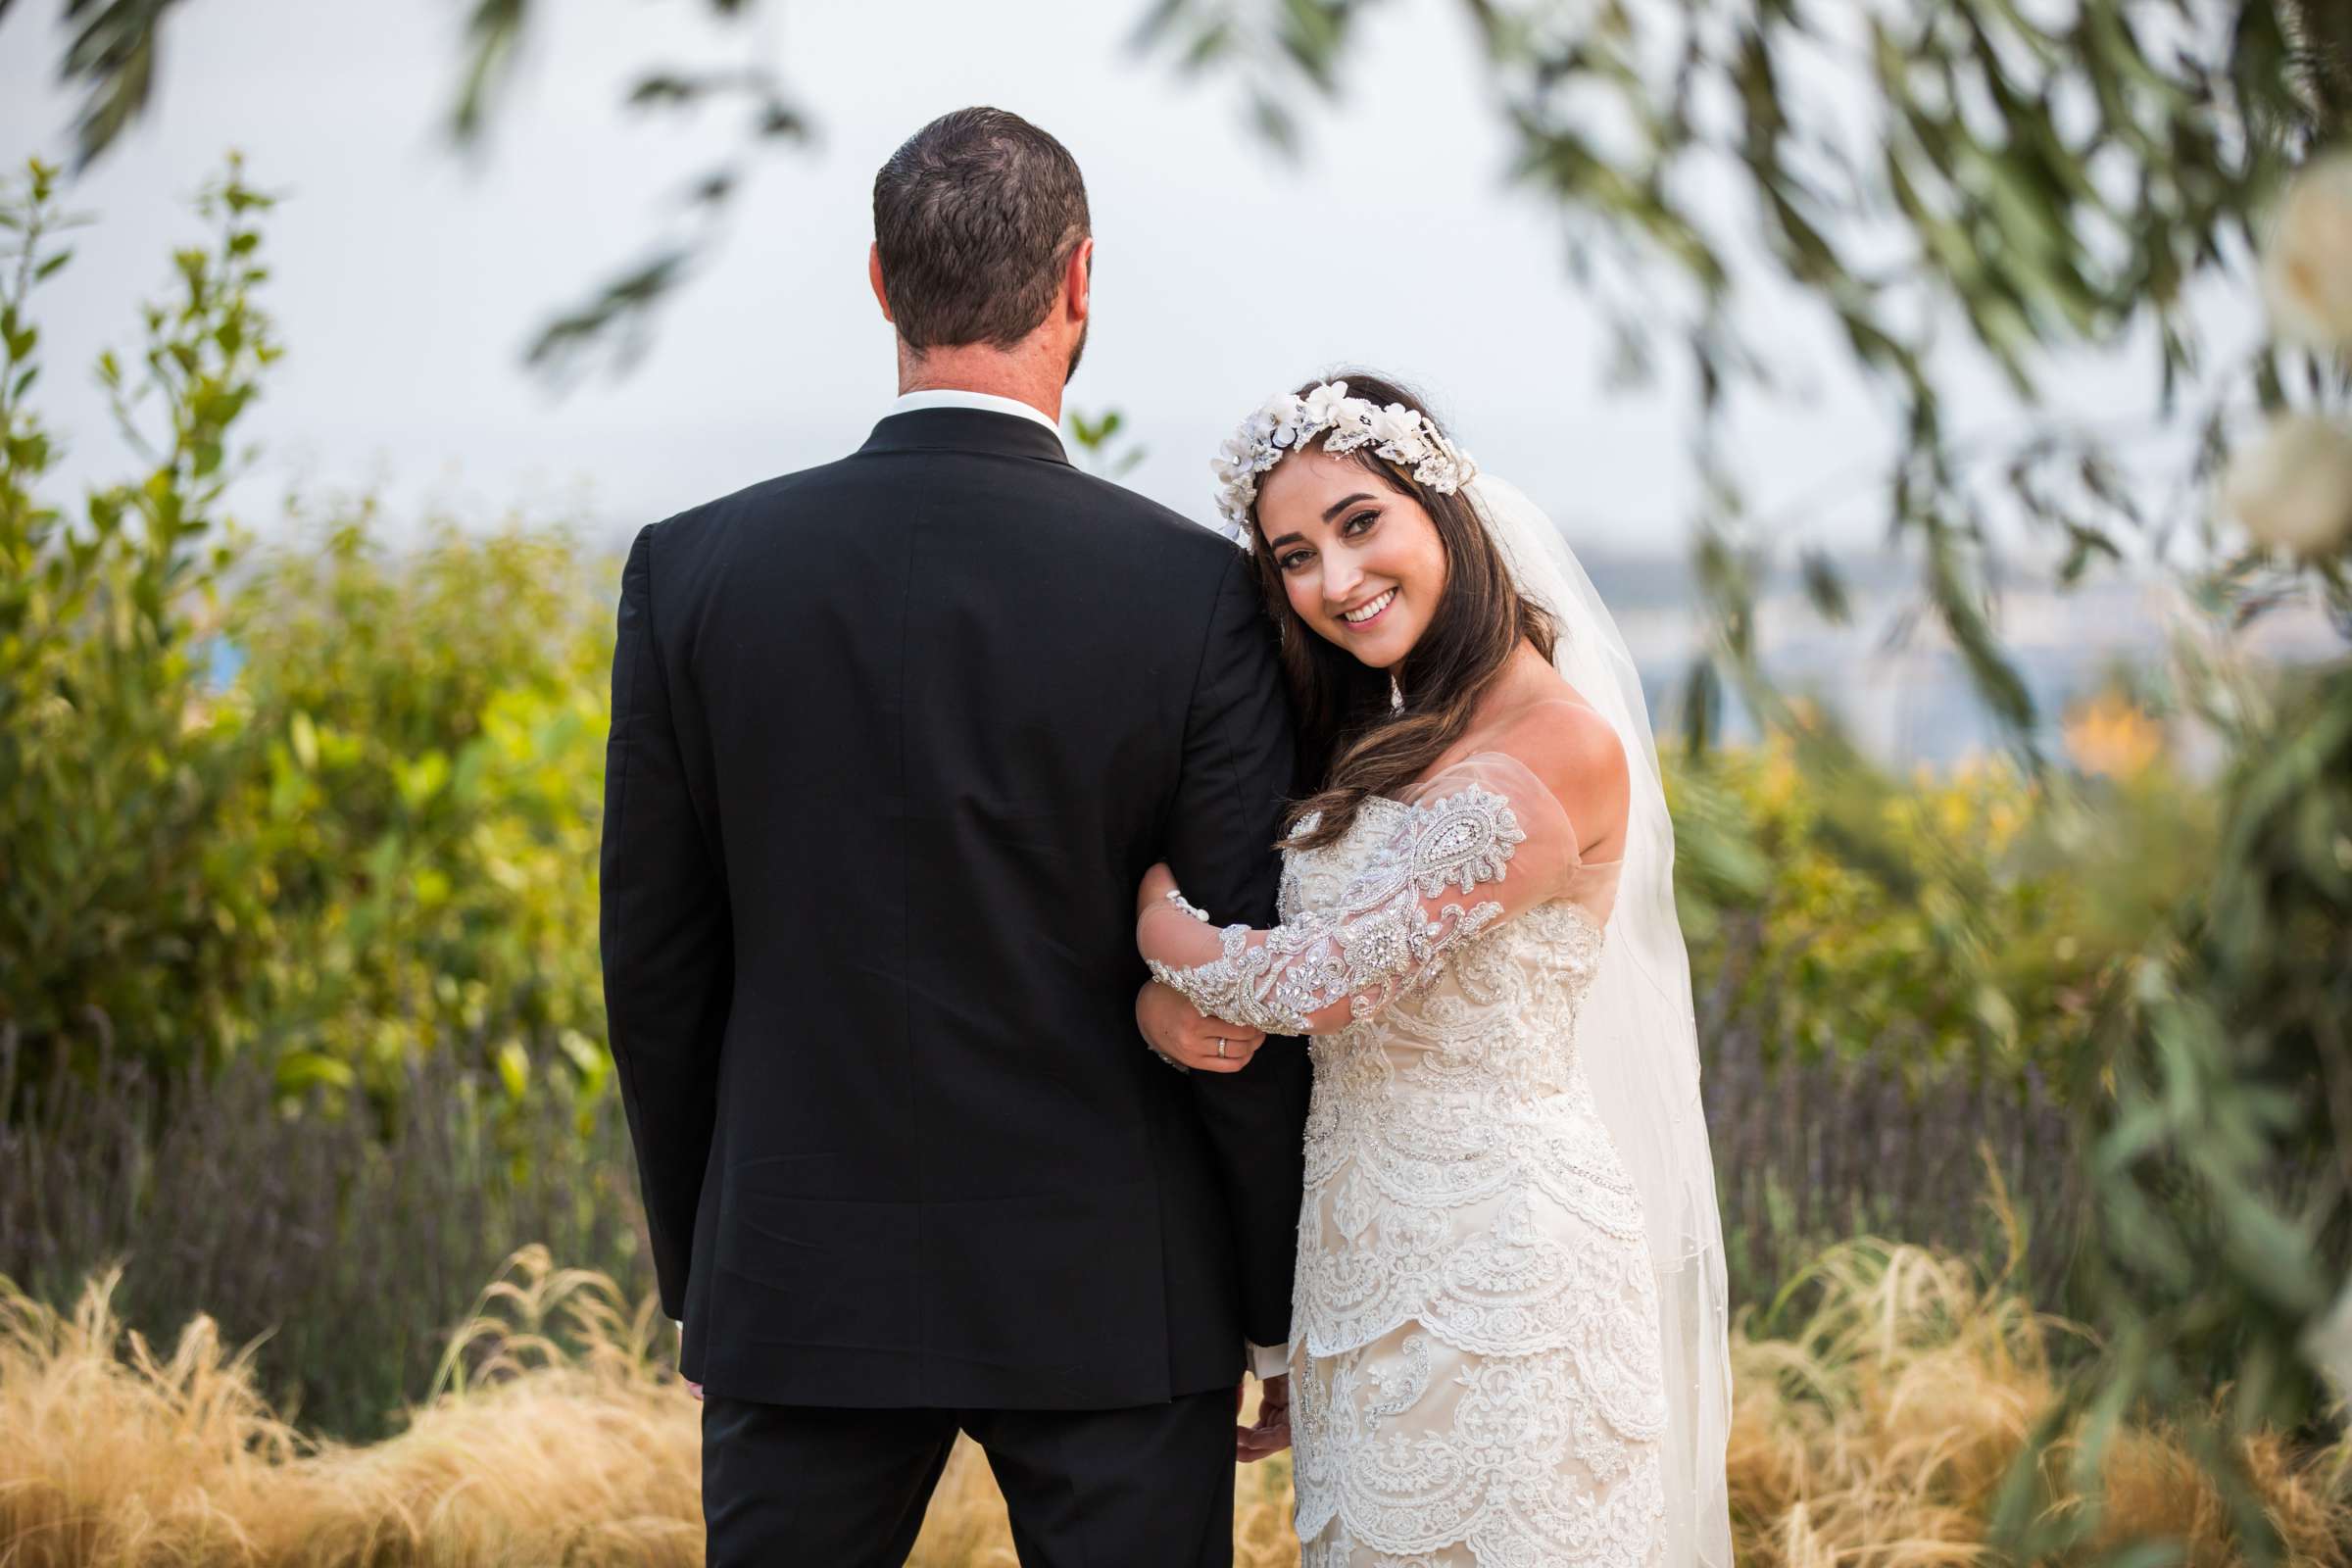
(1334, 509)
(1286, 539)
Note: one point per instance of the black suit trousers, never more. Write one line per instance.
(823, 1487)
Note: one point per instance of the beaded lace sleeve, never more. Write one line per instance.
(1480, 842)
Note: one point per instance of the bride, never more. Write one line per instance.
(1509, 1319)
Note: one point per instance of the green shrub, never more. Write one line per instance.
(376, 836)
(1964, 922)
(112, 767)
(411, 861)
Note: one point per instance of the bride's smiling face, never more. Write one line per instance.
(1361, 565)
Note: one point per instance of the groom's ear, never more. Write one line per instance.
(873, 275)
(1077, 283)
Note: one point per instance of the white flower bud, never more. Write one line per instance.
(2292, 490)
(2307, 265)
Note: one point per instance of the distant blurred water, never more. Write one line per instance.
(1913, 700)
(1922, 708)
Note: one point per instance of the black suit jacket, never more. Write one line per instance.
(894, 740)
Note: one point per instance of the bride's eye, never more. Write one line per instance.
(1367, 519)
(1292, 562)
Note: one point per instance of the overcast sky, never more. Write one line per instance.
(407, 280)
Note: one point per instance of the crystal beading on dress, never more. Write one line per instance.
(1381, 939)
(1477, 1376)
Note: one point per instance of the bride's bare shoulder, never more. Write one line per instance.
(1574, 753)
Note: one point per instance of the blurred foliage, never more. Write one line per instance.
(1903, 976)
(407, 861)
(2217, 1150)
(369, 836)
(112, 54)
(112, 771)
(1100, 448)
(1832, 907)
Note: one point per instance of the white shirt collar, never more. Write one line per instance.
(957, 397)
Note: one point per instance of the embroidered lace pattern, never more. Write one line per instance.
(1377, 939)
(1476, 1368)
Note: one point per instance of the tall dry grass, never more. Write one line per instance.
(217, 1201)
(1871, 1430)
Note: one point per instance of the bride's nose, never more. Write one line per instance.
(1341, 580)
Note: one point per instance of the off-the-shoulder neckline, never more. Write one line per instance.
(1469, 757)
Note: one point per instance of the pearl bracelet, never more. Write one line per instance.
(1176, 897)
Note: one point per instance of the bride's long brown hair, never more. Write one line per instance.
(1351, 744)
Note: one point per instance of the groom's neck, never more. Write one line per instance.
(1027, 373)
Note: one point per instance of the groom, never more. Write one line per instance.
(893, 741)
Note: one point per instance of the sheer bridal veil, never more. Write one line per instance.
(1638, 1039)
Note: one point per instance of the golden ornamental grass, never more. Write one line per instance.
(1874, 1434)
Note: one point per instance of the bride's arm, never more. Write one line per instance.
(1484, 841)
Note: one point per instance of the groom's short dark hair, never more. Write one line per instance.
(975, 217)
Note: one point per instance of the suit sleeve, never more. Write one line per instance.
(665, 938)
(1236, 779)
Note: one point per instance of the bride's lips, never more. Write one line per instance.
(1372, 619)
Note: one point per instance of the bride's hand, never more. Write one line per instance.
(1177, 1030)
(1158, 884)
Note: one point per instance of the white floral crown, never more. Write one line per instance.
(1287, 424)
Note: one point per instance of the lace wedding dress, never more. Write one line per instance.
(1475, 1349)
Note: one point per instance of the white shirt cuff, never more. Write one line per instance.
(1268, 1360)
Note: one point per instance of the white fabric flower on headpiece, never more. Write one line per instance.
(1287, 422)
(1394, 425)
(1322, 405)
